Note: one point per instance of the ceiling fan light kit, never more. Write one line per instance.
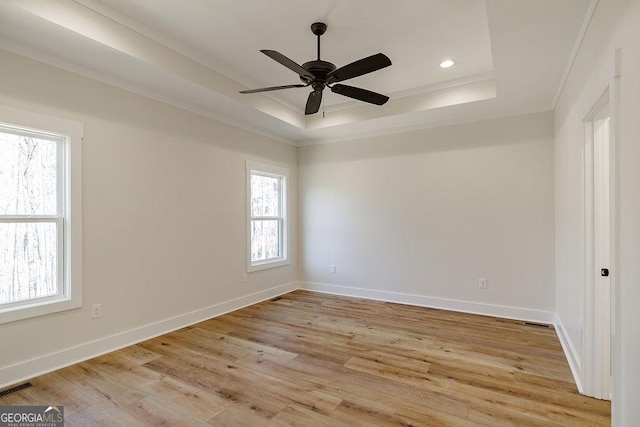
(320, 74)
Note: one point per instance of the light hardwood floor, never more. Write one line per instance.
(312, 359)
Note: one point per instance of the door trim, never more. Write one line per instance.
(597, 351)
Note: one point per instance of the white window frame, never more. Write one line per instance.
(69, 221)
(279, 172)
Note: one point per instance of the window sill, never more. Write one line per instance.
(26, 311)
(279, 262)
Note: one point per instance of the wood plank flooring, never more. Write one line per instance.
(311, 359)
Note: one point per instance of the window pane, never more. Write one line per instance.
(265, 239)
(27, 175)
(265, 195)
(28, 261)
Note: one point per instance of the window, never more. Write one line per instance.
(39, 244)
(267, 216)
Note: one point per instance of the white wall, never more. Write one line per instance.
(418, 217)
(616, 24)
(164, 231)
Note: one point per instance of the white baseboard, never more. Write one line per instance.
(517, 313)
(569, 352)
(40, 365)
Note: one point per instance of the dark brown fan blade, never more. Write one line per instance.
(277, 56)
(358, 68)
(360, 94)
(313, 102)
(267, 89)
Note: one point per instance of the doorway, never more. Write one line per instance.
(596, 372)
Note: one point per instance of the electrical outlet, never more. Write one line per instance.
(245, 278)
(96, 311)
(332, 269)
(482, 283)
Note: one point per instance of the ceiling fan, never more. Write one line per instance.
(320, 74)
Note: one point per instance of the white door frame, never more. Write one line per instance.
(598, 181)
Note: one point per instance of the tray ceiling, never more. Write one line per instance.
(510, 56)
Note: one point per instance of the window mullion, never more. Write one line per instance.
(32, 218)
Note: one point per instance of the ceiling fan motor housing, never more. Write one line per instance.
(319, 69)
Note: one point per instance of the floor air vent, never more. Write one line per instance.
(537, 325)
(13, 389)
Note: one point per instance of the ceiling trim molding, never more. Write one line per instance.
(428, 124)
(94, 26)
(576, 49)
(87, 73)
(422, 90)
(455, 95)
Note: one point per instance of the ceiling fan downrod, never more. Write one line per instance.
(318, 28)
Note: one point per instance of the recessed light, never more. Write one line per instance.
(447, 63)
